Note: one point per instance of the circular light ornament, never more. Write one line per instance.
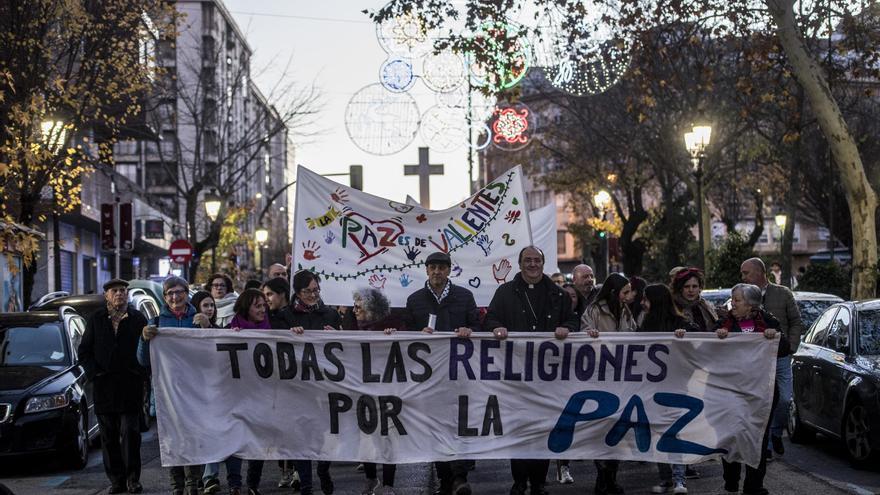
(508, 57)
(444, 128)
(381, 122)
(443, 72)
(405, 34)
(512, 126)
(396, 75)
(482, 106)
(588, 65)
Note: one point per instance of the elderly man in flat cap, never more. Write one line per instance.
(108, 355)
(441, 306)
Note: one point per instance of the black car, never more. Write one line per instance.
(836, 372)
(44, 395)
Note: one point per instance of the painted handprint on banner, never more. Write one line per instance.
(405, 280)
(377, 281)
(456, 271)
(485, 244)
(340, 196)
(411, 252)
(329, 237)
(501, 270)
(310, 250)
(513, 216)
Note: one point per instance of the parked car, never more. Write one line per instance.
(45, 399)
(836, 373)
(812, 304)
(86, 304)
(716, 297)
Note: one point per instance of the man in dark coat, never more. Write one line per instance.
(108, 353)
(584, 282)
(531, 302)
(441, 306)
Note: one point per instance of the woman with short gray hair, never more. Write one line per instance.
(373, 312)
(747, 315)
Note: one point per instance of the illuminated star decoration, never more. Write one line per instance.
(511, 126)
(409, 30)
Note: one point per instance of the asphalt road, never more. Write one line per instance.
(818, 468)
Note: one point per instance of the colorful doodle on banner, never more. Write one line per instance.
(367, 241)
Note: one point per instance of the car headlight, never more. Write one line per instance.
(46, 403)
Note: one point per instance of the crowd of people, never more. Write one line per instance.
(115, 352)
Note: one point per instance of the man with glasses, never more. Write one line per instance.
(176, 312)
(107, 354)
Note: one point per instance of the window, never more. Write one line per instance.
(869, 332)
(838, 335)
(819, 330)
(560, 241)
(147, 36)
(159, 175)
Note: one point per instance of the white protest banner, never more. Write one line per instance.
(413, 397)
(354, 240)
(543, 222)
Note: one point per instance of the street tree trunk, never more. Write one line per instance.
(861, 198)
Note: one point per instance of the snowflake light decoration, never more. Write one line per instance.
(396, 75)
(381, 122)
(482, 106)
(512, 127)
(442, 128)
(509, 57)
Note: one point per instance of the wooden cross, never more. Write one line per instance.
(424, 170)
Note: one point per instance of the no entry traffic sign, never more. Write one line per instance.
(180, 251)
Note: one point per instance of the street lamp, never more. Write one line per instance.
(696, 143)
(261, 235)
(602, 200)
(53, 135)
(212, 209)
(781, 220)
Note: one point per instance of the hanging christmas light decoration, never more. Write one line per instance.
(479, 137)
(381, 122)
(443, 72)
(507, 57)
(442, 129)
(396, 75)
(584, 66)
(512, 126)
(405, 34)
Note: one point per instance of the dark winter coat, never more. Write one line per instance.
(290, 317)
(458, 309)
(510, 309)
(110, 362)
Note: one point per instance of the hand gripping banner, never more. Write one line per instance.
(353, 239)
(414, 397)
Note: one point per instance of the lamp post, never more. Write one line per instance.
(53, 134)
(781, 220)
(602, 200)
(696, 143)
(261, 235)
(212, 209)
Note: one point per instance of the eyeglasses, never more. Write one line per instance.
(218, 286)
(175, 293)
(357, 307)
(311, 292)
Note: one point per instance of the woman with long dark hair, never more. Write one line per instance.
(251, 311)
(206, 309)
(661, 315)
(609, 312)
(687, 284)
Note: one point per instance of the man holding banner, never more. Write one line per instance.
(531, 302)
(441, 306)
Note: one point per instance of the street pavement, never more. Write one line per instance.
(817, 468)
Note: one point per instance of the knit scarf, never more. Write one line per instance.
(302, 307)
(697, 310)
(116, 315)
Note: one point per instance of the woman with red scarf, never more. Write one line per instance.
(747, 315)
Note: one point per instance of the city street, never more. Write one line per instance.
(816, 468)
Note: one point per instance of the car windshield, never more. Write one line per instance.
(33, 346)
(869, 332)
(811, 309)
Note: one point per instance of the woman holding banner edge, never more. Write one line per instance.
(307, 311)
